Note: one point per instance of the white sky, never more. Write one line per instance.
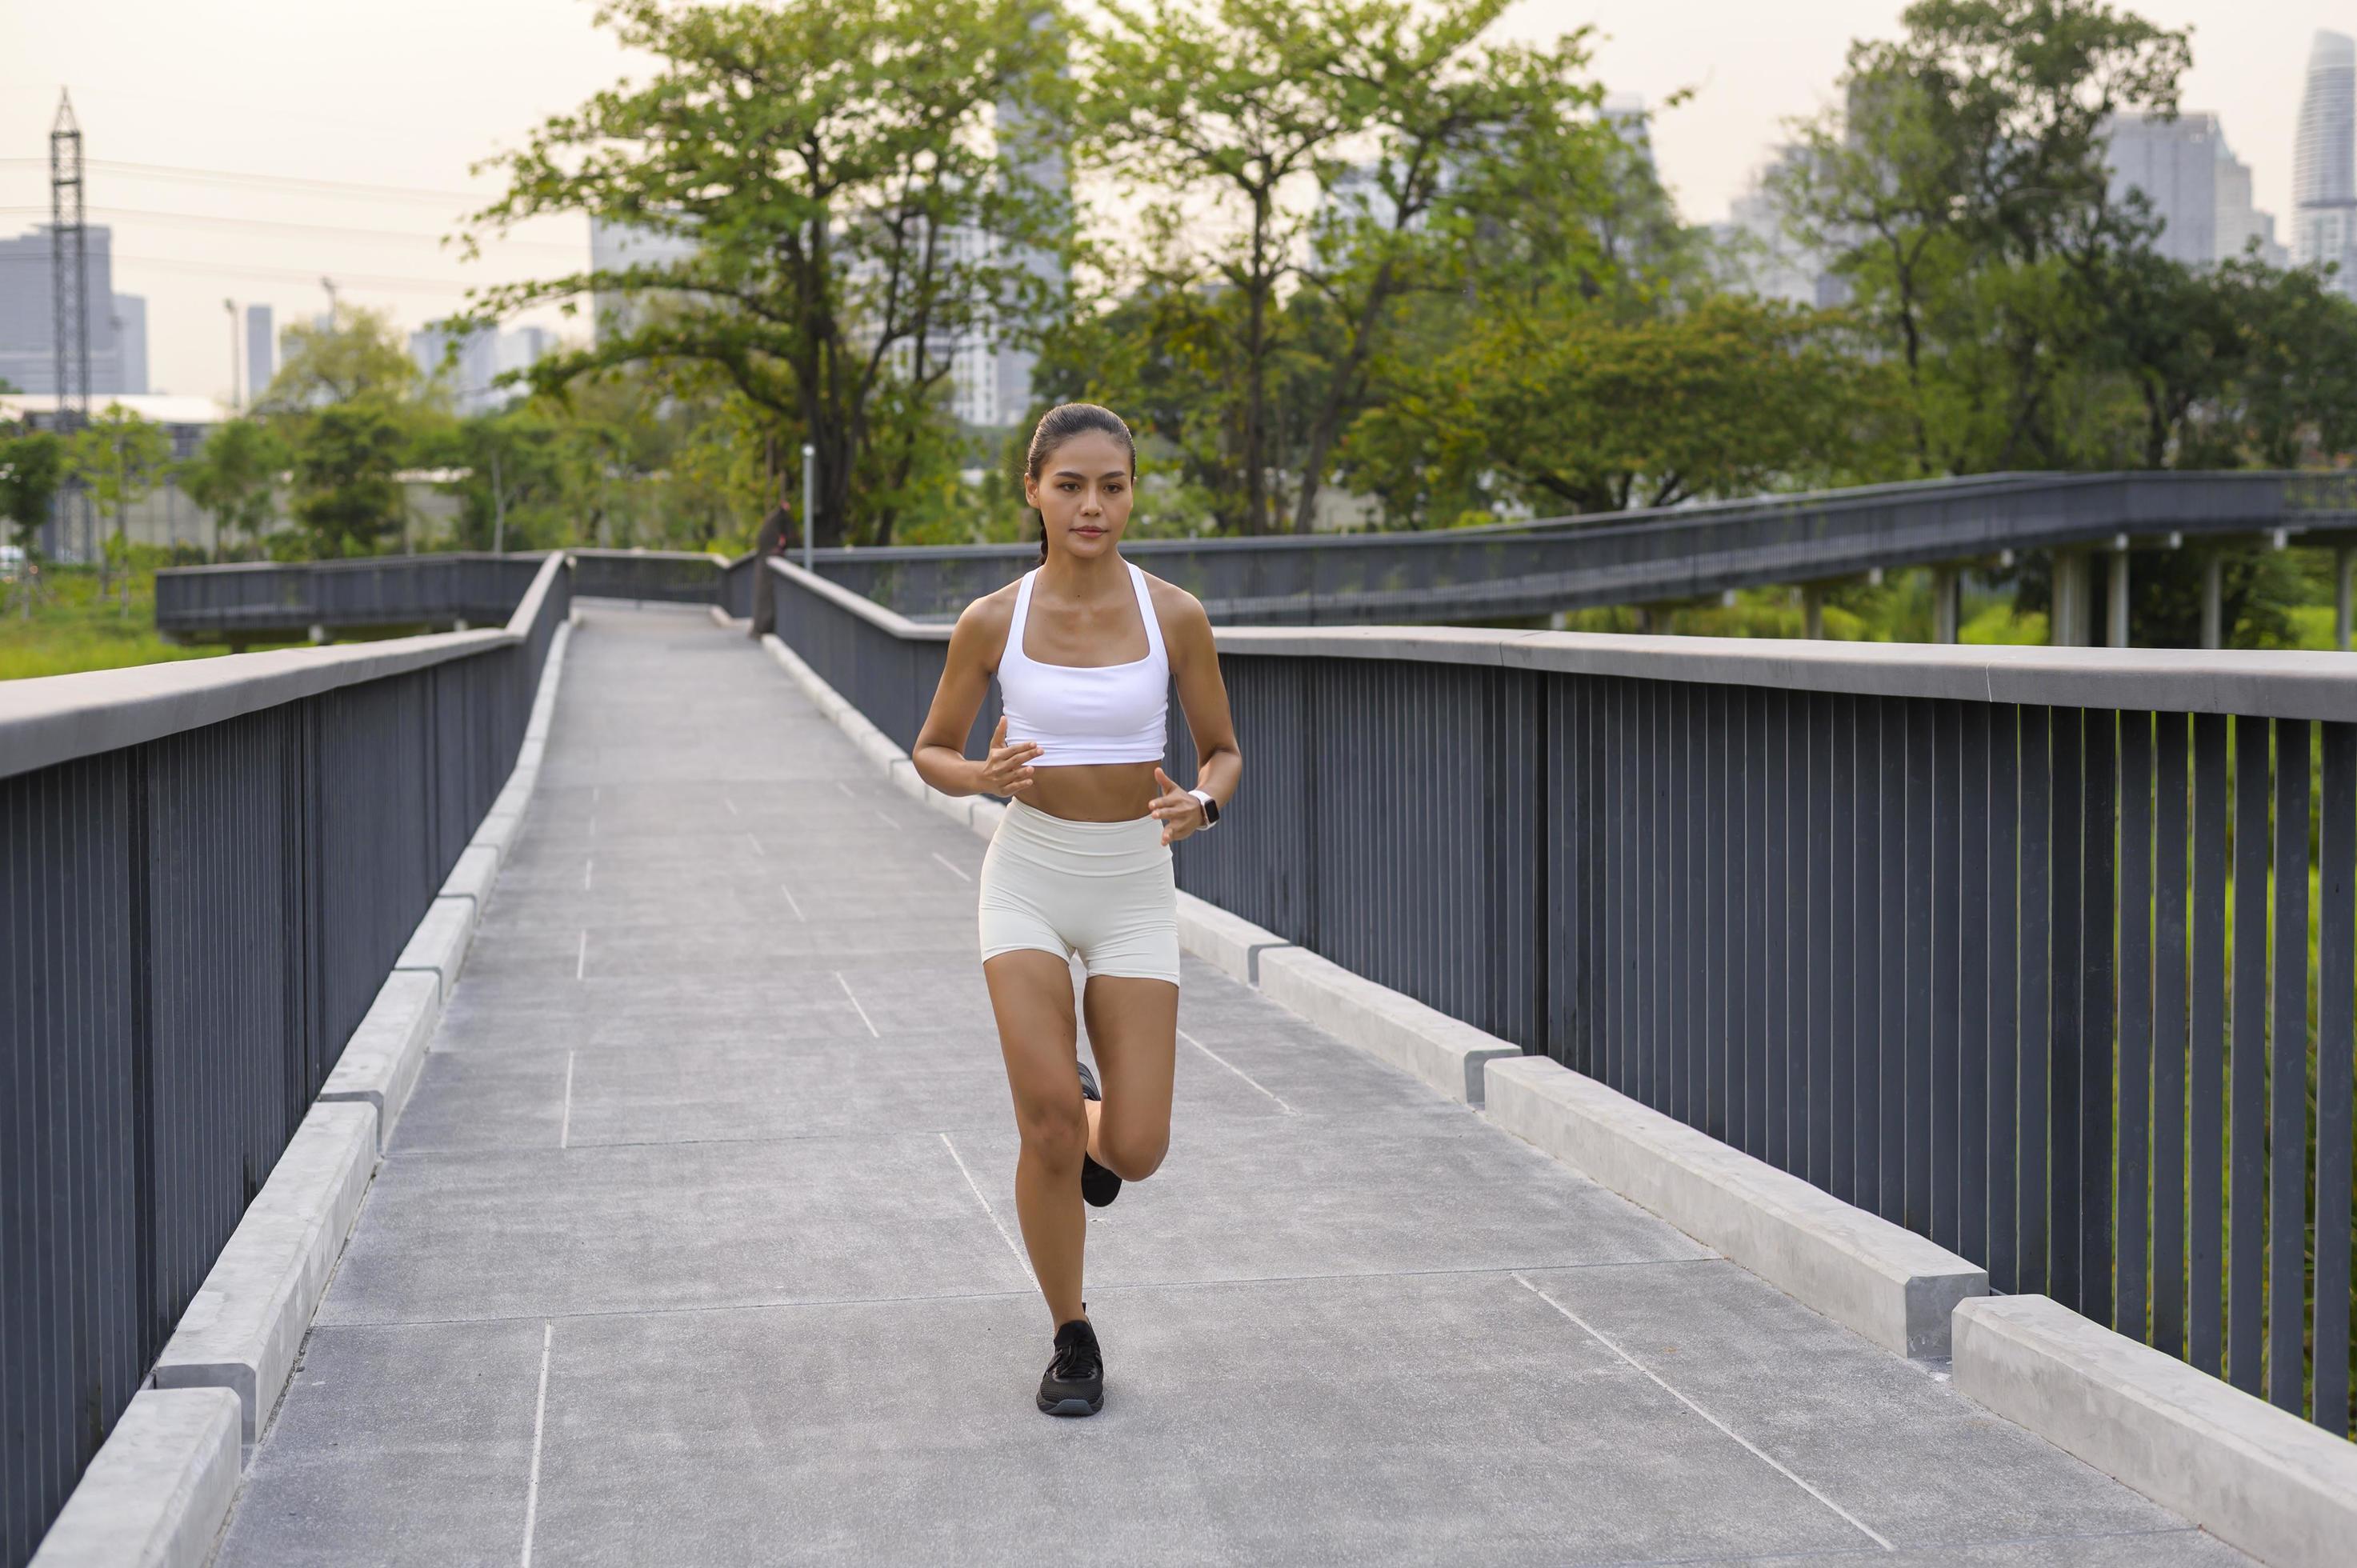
(408, 94)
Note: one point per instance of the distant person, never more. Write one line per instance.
(1085, 647)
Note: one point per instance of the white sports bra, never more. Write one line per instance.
(1079, 714)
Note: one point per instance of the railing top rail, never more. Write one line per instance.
(2267, 684)
(2279, 488)
(343, 562)
(51, 719)
(603, 553)
(2259, 683)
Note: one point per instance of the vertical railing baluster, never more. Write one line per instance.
(1891, 1182)
(2246, 1110)
(1777, 1072)
(2098, 943)
(1946, 895)
(1972, 907)
(2035, 1076)
(1817, 1097)
(1915, 1207)
(1756, 894)
(2136, 1007)
(2287, 1074)
(1865, 956)
(2000, 1153)
(2336, 1072)
(2206, 1097)
(1840, 897)
(2170, 1005)
(2066, 1113)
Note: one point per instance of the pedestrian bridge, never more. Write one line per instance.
(694, 1240)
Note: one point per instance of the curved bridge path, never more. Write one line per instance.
(697, 1245)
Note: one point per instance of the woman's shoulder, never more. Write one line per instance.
(982, 624)
(1174, 606)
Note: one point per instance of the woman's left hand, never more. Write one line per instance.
(1179, 812)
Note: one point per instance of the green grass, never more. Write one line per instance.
(71, 629)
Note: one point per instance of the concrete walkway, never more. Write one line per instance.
(697, 1245)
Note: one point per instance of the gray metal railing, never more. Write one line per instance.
(206, 870)
(675, 576)
(1987, 942)
(1641, 557)
(265, 599)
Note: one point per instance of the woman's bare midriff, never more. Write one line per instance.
(1093, 792)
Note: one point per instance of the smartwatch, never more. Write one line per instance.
(1210, 807)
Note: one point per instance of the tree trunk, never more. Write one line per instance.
(1256, 379)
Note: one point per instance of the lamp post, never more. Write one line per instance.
(810, 494)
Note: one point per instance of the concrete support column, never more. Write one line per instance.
(2067, 617)
(1813, 610)
(2116, 621)
(2213, 577)
(1947, 603)
(2344, 557)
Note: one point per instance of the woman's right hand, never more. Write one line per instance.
(1008, 769)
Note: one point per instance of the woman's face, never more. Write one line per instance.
(1084, 493)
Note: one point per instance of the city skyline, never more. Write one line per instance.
(385, 180)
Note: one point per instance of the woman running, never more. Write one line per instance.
(1085, 647)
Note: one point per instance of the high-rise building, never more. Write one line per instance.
(131, 341)
(470, 369)
(615, 245)
(261, 351)
(27, 307)
(2238, 222)
(2173, 163)
(2324, 162)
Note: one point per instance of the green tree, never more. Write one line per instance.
(234, 476)
(32, 470)
(1463, 133)
(347, 499)
(357, 353)
(121, 457)
(1576, 409)
(851, 210)
(1962, 189)
(1231, 117)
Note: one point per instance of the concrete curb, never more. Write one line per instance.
(438, 946)
(2257, 1477)
(249, 1317)
(381, 1060)
(472, 878)
(1858, 1269)
(499, 832)
(1443, 1052)
(159, 1490)
(1228, 941)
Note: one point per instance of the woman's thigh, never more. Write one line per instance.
(1031, 996)
(1134, 1032)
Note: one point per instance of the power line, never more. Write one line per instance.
(298, 274)
(295, 182)
(210, 219)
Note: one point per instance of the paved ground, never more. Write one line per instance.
(696, 1246)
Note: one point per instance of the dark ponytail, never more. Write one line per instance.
(1059, 424)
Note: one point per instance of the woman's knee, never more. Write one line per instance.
(1053, 1130)
(1132, 1155)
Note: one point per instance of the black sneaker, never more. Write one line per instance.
(1073, 1383)
(1098, 1185)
